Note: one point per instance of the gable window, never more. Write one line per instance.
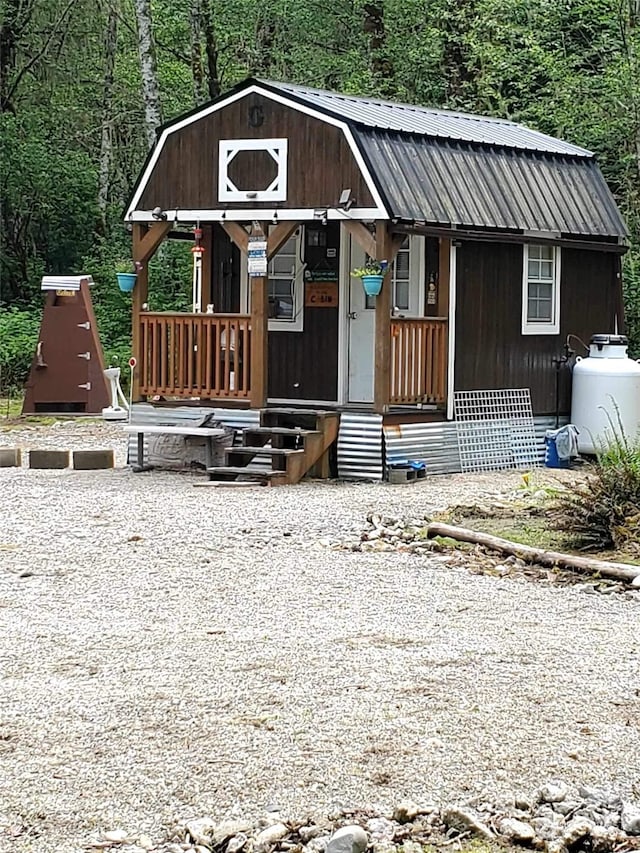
(541, 290)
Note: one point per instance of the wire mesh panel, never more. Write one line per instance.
(495, 430)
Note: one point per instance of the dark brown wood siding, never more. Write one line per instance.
(225, 274)
(304, 365)
(491, 351)
(320, 162)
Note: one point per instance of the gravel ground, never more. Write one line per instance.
(168, 652)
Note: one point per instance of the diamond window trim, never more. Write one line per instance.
(277, 189)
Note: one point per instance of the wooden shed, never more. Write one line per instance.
(502, 241)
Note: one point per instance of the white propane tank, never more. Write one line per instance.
(607, 379)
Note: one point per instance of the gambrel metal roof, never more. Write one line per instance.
(432, 167)
(442, 124)
(448, 168)
(470, 186)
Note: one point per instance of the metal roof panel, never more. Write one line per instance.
(442, 124)
(451, 183)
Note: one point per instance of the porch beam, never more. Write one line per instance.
(238, 234)
(279, 236)
(510, 237)
(363, 237)
(386, 248)
(147, 243)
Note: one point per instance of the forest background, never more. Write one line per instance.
(85, 83)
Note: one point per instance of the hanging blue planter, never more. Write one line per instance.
(126, 281)
(372, 284)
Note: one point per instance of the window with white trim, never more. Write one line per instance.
(284, 273)
(407, 279)
(285, 286)
(401, 277)
(541, 290)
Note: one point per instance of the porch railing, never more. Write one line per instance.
(418, 360)
(195, 355)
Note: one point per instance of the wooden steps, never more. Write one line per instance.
(291, 442)
(266, 475)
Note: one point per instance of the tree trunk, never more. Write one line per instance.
(197, 69)
(379, 63)
(551, 559)
(106, 137)
(211, 49)
(147, 54)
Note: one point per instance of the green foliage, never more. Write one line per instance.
(370, 268)
(569, 68)
(604, 511)
(18, 340)
(49, 209)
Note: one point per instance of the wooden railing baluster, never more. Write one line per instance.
(418, 360)
(194, 355)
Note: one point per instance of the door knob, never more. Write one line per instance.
(353, 315)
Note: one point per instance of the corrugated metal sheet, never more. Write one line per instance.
(448, 183)
(360, 446)
(436, 444)
(143, 413)
(443, 124)
(64, 282)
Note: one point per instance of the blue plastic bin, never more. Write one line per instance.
(551, 459)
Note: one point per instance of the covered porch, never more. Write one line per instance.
(225, 358)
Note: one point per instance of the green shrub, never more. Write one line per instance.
(18, 340)
(604, 511)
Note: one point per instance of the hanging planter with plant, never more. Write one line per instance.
(126, 273)
(372, 275)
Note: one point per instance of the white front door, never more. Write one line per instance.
(408, 301)
(362, 318)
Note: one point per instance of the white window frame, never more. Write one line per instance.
(277, 189)
(540, 327)
(297, 323)
(416, 280)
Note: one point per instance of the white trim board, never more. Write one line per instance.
(381, 212)
(298, 214)
(451, 355)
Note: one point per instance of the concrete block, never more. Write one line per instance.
(93, 460)
(49, 458)
(10, 457)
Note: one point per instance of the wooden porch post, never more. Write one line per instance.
(259, 342)
(207, 264)
(382, 356)
(259, 331)
(146, 240)
(140, 296)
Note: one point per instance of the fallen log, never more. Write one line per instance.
(550, 559)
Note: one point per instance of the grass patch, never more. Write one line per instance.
(10, 407)
(534, 524)
(604, 512)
